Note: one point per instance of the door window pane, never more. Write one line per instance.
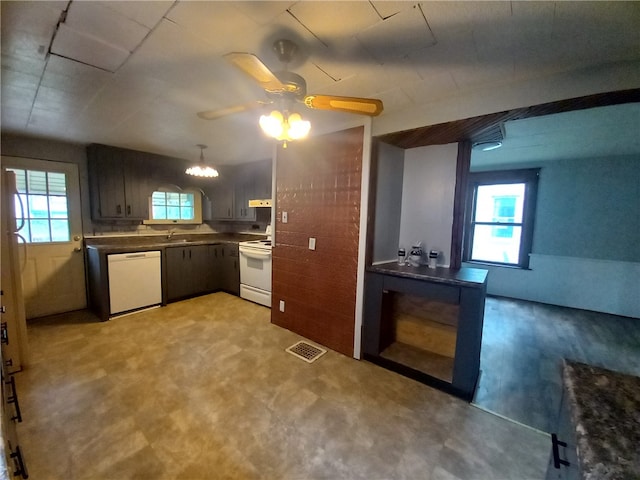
(43, 204)
(39, 231)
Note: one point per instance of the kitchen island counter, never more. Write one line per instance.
(426, 323)
(464, 277)
(605, 412)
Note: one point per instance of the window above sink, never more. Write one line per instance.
(168, 206)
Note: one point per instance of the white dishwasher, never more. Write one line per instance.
(135, 281)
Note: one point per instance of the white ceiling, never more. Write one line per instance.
(143, 69)
(591, 133)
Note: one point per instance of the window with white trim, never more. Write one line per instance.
(168, 206)
(499, 217)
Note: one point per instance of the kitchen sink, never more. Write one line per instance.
(177, 240)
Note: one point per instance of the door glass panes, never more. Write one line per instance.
(43, 206)
(172, 206)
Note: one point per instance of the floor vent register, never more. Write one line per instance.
(307, 352)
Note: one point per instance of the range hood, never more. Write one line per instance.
(264, 202)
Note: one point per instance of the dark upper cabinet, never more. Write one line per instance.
(232, 191)
(120, 183)
(222, 201)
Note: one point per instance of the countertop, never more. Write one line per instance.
(463, 277)
(123, 244)
(605, 409)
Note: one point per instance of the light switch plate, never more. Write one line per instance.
(285, 217)
(282, 305)
(312, 243)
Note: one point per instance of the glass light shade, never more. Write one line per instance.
(298, 128)
(291, 127)
(202, 171)
(273, 124)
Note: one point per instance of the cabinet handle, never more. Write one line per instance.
(12, 397)
(4, 336)
(128, 209)
(228, 212)
(557, 461)
(21, 468)
(119, 209)
(189, 254)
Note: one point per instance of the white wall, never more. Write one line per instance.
(390, 175)
(427, 198)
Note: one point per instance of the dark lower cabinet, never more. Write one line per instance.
(230, 269)
(187, 271)
(563, 460)
(198, 269)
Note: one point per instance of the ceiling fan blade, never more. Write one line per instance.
(363, 106)
(222, 112)
(252, 66)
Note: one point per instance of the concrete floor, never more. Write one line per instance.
(203, 389)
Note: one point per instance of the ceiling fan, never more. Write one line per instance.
(286, 87)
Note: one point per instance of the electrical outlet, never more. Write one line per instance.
(285, 217)
(282, 305)
(312, 243)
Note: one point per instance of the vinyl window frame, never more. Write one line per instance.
(197, 208)
(530, 178)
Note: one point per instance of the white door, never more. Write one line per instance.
(53, 278)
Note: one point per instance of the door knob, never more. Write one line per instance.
(77, 249)
(77, 238)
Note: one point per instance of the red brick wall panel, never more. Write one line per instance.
(318, 185)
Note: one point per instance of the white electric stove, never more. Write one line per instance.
(255, 271)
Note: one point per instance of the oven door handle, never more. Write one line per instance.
(256, 254)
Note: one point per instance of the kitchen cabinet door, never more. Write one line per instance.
(136, 185)
(119, 188)
(179, 278)
(222, 202)
(213, 276)
(230, 281)
(244, 189)
(198, 266)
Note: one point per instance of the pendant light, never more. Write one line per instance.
(202, 170)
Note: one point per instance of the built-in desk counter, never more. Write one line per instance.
(426, 323)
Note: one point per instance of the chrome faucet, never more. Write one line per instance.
(170, 234)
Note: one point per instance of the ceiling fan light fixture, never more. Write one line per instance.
(284, 127)
(202, 170)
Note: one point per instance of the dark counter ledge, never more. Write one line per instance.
(124, 244)
(463, 277)
(605, 409)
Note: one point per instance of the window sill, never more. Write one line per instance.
(490, 264)
(171, 222)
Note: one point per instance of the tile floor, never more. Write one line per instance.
(202, 389)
